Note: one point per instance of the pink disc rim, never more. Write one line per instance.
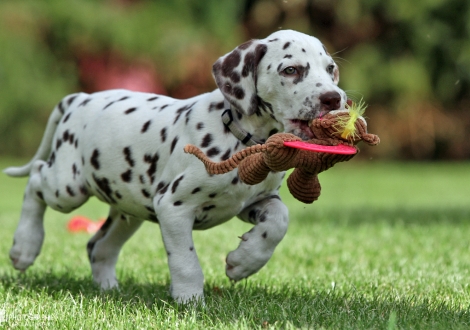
(340, 149)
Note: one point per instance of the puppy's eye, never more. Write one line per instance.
(290, 70)
(330, 68)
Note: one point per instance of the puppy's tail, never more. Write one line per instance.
(226, 165)
(46, 142)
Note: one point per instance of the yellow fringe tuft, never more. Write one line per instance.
(348, 127)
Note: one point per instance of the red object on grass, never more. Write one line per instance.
(340, 149)
(80, 223)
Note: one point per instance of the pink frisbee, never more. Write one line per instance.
(340, 149)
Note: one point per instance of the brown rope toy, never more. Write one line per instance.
(254, 163)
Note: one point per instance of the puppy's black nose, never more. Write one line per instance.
(330, 101)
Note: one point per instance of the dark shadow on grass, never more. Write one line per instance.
(399, 215)
(56, 284)
(258, 305)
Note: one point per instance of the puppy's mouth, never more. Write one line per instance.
(301, 128)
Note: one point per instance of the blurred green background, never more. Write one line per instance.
(409, 60)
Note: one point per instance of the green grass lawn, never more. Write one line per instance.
(387, 246)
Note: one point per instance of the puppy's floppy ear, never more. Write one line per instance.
(236, 73)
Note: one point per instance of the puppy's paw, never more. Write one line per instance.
(191, 299)
(24, 252)
(104, 275)
(247, 259)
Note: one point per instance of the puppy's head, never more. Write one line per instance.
(289, 75)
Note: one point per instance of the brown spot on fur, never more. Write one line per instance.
(94, 159)
(206, 141)
(127, 176)
(239, 93)
(230, 63)
(245, 45)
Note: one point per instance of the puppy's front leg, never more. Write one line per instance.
(176, 224)
(270, 217)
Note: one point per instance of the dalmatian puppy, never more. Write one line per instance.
(126, 148)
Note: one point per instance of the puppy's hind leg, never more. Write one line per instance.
(45, 188)
(29, 234)
(104, 247)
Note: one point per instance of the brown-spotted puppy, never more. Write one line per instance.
(126, 148)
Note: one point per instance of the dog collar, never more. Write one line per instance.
(233, 126)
